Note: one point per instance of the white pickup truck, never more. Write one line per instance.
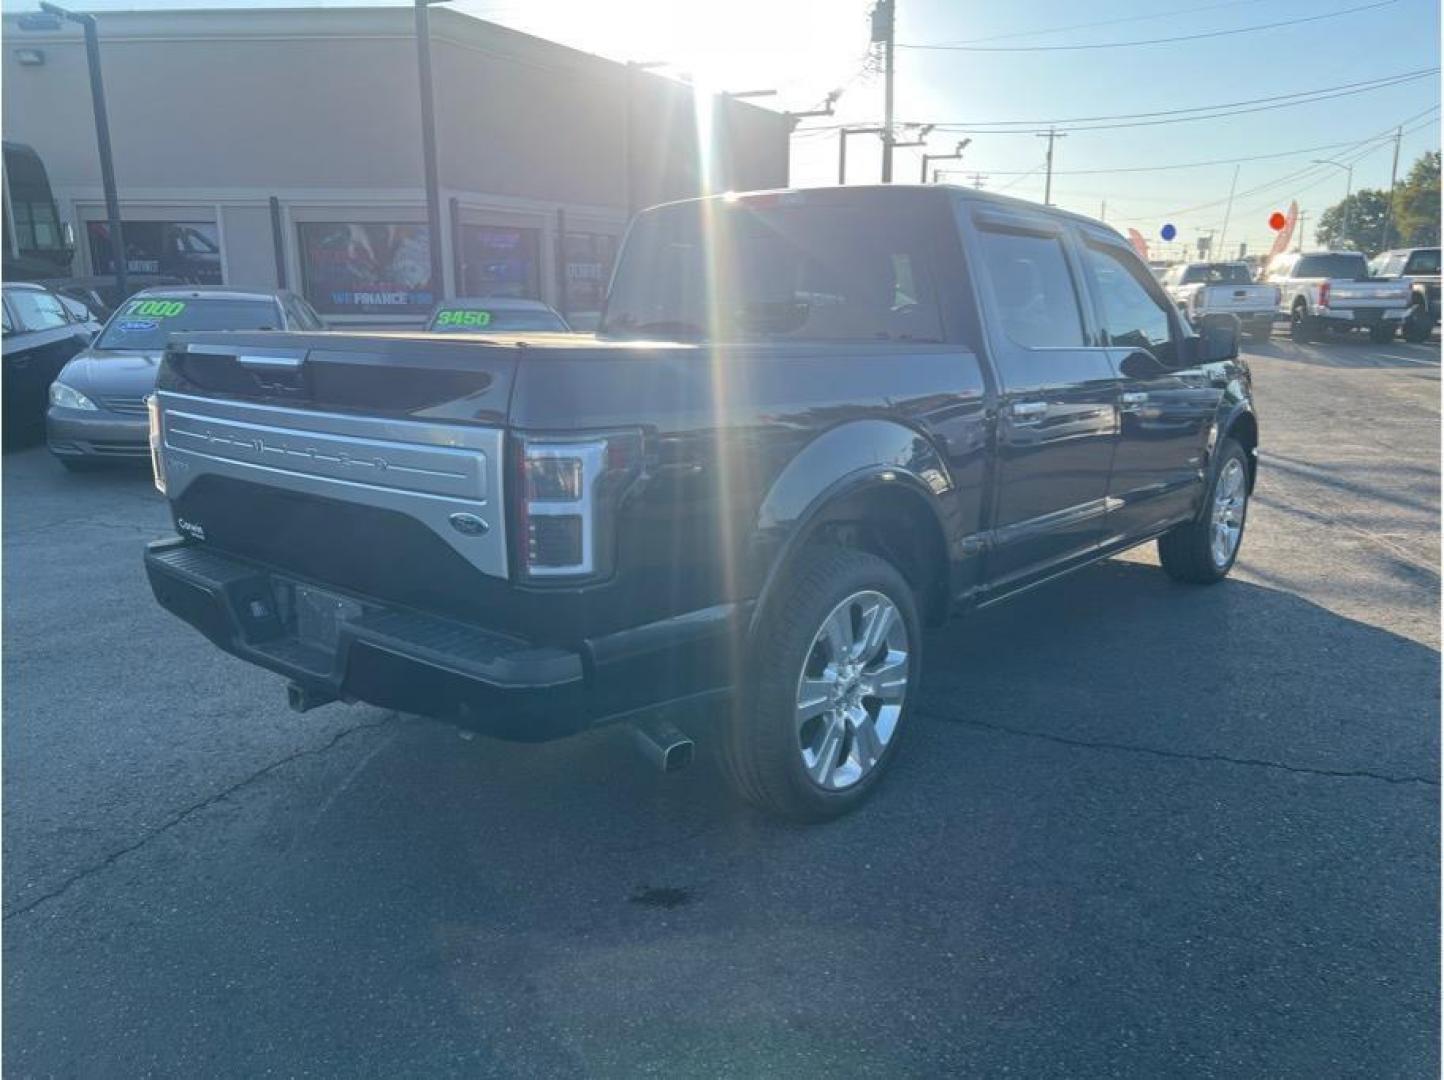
(1332, 290)
(1223, 288)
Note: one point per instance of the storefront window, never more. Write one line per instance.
(589, 258)
(366, 268)
(500, 261)
(189, 250)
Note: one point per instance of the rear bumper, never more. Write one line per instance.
(1360, 318)
(419, 663)
(73, 433)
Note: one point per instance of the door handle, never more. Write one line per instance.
(1028, 410)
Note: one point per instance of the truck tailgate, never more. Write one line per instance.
(1239, 298)
(1368, 294)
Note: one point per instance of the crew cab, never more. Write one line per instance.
(1211, 288)
(1323, 291)
(1420, 268)
(811, 423)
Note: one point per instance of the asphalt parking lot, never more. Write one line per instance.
(1142, 829)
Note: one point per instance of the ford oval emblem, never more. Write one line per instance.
(469, 524)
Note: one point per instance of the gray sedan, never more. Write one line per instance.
(97, 403)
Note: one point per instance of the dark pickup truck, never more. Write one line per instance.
(811, 423)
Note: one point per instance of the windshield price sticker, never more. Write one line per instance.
(156, 309)
(463, 318)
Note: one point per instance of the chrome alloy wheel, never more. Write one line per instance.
(851, 690)
(1229, 499)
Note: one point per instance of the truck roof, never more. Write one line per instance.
(904, 191)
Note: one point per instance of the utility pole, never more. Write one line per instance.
(954, 156)
(1103, 211)
(1348, 189)
(1303, 217)
(1393, 180)
(1228, 210)
(102, 131)
(884, 22)
(428, 149)
(978, 179)
(1050, 135)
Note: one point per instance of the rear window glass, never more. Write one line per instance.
(1217, 274)
(1423, 262)
(490, 320)
(781, 268)
(1343, 265)
(146, 322)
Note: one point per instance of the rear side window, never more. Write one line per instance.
(1132, 316)
(1033, 289)
(38, 310)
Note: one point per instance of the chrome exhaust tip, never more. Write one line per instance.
(663, 744)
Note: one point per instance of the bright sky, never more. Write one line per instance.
(803, 48)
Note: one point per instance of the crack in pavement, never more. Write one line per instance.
(1182, 755)
(194, 808)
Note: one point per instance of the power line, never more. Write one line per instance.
(1203, 112)
(1148, 41)
(1104, 22)
(1365, 83)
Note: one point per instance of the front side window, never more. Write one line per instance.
(1033, 289)
(794, 267)
(38, 310)
(1132, 317)
(145, 322)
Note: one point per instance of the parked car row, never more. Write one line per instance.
(1317, 292)
(79, 362)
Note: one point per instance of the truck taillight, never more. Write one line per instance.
(564, 503)
(1324, 295)
(157, 457)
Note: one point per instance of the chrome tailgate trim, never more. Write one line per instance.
(427, 471)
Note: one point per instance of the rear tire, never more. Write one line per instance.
(1417, 326)
(1299, 328)
(1204, 550)
(835, 669)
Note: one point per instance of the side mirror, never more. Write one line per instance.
(1218, 338)
(1142, 364)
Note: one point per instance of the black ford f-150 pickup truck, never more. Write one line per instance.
(811, 423)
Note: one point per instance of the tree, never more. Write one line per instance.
(1416, 204)
(1366, 222)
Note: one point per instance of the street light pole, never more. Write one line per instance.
(428, 149)
(102, 141)
(1348, 188)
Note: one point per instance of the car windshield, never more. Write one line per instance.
(145, 322)
(1423, 262)
(1347, 265)
(1217, 274)
(482, 320)
(778, 267)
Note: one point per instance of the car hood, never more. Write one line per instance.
(112, 372)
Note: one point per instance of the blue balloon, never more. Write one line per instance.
(1169, 232)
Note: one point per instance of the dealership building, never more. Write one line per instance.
(282, 148)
